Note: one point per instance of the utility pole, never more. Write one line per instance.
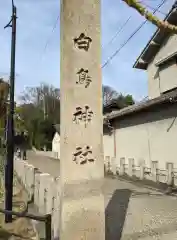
(10, 122)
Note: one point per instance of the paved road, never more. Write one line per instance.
(132, 212)
(141, 212)
(44, 164)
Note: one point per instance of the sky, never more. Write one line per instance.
(38, 46)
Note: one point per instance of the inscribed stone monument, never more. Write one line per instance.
(82, 166)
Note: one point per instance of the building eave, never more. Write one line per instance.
(155, 42)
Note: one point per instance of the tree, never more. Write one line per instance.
(40, 110)
(4, 91)
(109, 94)
(150, 17)
(47, 130)
(120, 102)
(129, 100)
(28, 118)
(46, 97)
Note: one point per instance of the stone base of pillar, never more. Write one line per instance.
(83, 212)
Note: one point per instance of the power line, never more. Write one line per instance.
(125, 43)
(49, 38)
(131, 36)
(46, 45)
(152, 8)
(117, 33)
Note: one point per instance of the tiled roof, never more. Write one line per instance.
(169, 97)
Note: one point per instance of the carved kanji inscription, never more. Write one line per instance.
(83, 155)
(83, 77)
(83, 115)
(83, 42)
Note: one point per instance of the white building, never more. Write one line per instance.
(147, 131)
(56, 142)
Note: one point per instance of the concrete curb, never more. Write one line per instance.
(160, 187)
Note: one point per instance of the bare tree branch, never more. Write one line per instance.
(109, 94)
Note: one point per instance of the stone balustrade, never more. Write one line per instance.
(42, 188)
(121, 167)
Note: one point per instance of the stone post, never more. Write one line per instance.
(36, 188)
(169, 167)
(107, 163)
(56, 210)
(113, 165)
(82, 162)
(122, 166)
(44, 178)
(142, 168)
(50, 194)
(130, 166)
(30, 180)
(23, 172)
(154, 170)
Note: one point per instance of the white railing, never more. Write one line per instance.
(42, 188)
(153, 173)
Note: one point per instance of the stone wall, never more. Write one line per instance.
(127, 167)
(43, 190)
(148, 135)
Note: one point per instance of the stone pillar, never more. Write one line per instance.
(44, 178)
(107, 163)
(22, 173)
(113, 165)
(50, 194)
(122, 166)
(154, 170)
(169, 167)
(82, 161)
(56, 210)
(142, 168)
(36, 188)
(130, 167)
(30, 180)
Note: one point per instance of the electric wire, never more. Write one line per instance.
(130, 37)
